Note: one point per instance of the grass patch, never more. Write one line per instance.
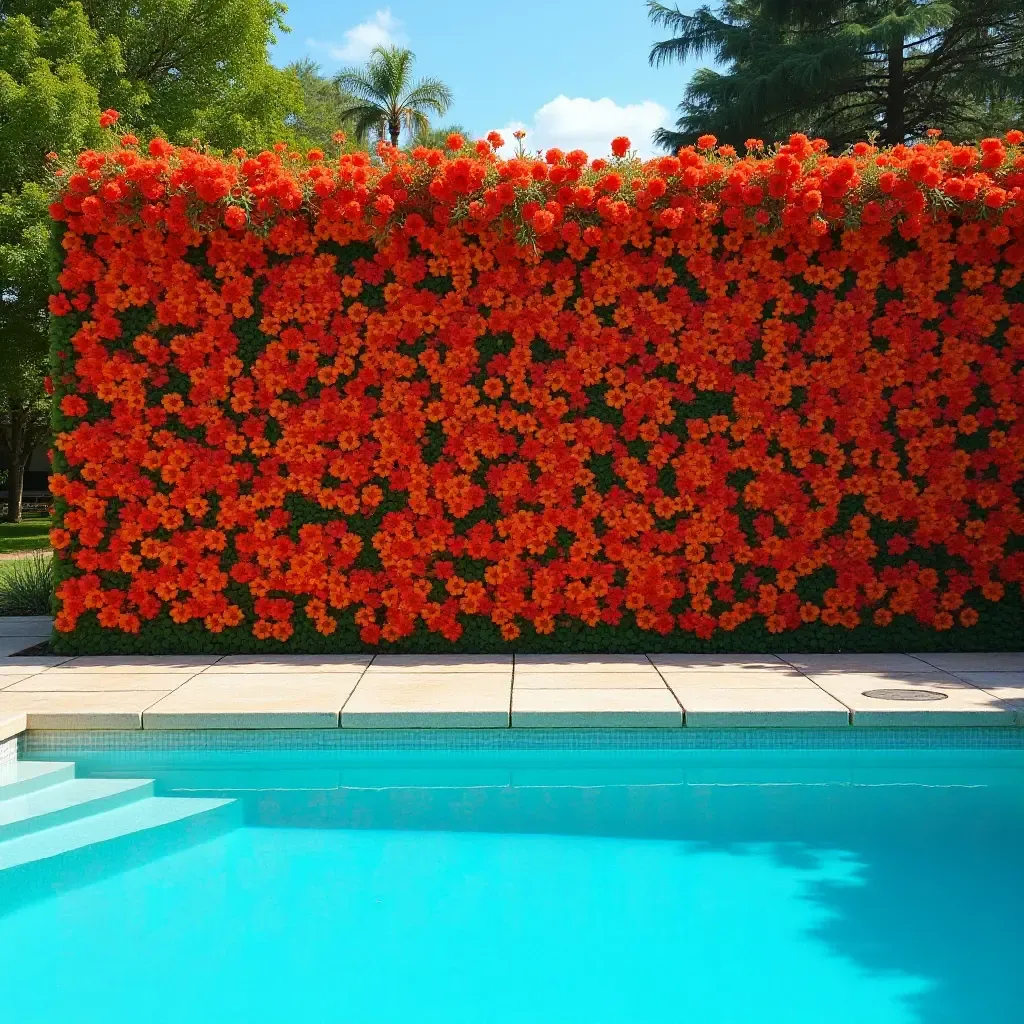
(28, 535)
(26, 585)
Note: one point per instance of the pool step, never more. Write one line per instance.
(30, 776)
(66, 802)
(124, 826)
(58, 832)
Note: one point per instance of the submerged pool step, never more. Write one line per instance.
(143, 820)
(66, 802)
(30, 776)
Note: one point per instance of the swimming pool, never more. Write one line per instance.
(790, 878)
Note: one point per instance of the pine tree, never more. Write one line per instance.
(843, 69)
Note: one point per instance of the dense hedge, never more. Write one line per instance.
(443, 401)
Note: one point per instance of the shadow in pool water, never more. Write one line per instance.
(925, 889)
(907, 874)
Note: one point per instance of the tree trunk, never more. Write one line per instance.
(18, 442)
(895, 129)
(395, 131)
(15, 489)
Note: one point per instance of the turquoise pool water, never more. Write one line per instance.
(734, 886)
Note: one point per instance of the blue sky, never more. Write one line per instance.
(574, 75)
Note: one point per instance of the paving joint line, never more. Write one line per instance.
(511, 690)
(145, 711)
(675, 697)
(351, 693)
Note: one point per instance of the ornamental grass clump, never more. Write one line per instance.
(26, 586)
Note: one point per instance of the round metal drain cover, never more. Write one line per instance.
(906, 694)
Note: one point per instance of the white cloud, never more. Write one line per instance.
(383, 29)
(589, 124)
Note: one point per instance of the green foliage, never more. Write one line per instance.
(434, 138)
(842, 69)
(385, 98)
(183, 68)
(29, 535)
(323, 108)
(26, 586)
(48, 90)
(999, 631)
(48, 102)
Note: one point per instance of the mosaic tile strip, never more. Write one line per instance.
(67, 744)
(8, 751)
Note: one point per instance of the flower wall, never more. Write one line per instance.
(443, 401)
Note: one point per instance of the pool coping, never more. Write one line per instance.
(658, 692)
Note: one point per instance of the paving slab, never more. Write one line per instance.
(595, 708)
(95, 682)
(11, 725)
(80, 710)
(934, 678)
(760, 707)
(463, 700)
(1007, 686)
(7, 681)
(594, 663)
(818, 663)
(719, 662)
(629, 679)
(959, 703)
(994, 680)
(242, 664)
(982, 661)
(12, 645)
(26, 625)
(10, 666)
(140, 664)
(769, 678)
(274, 700)
(425, 664)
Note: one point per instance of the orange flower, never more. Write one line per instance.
(440, 391)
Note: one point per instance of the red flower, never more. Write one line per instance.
(234, 218)
(620, 146)
(543, 221)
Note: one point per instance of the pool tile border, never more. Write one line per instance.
(57, 744)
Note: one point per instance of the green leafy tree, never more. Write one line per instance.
(184, 68)
(323, 107)
(24, 406)
(842, 69)
(386, 99)
(48, 102)
(187, 68)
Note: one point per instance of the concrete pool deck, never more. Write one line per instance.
(496, 691)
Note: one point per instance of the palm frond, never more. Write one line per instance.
(357, 83)
(430, 94)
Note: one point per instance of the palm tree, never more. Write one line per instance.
(384, 98)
